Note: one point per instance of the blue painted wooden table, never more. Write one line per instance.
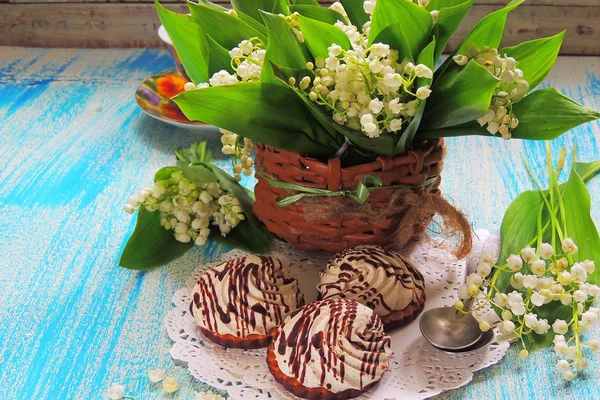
(74, 146)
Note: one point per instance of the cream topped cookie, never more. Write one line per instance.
(381, 279)
(330, 349)
(241, 302)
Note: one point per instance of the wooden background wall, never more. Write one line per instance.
(133, 23)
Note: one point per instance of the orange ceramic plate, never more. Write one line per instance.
(154, 97)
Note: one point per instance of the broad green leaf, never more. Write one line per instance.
(188, 41)
(151, 245)
(226, 29)
(198, 152)
(580, 225)
(318, 36)
(250, 235)
(409, 23)
(546, 113)
(252, 22)
(218, 57)
(267, 113)
(318, 13)
(451, 15)
(587, 170)
(283, 49)
(210, 4)
(536, 57)
(487, 32)
(252, 7)
(406, 138)
(356, 12)
(307, 2)
(463, 96)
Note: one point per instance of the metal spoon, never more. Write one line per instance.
(449, 329)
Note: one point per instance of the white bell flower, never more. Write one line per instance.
(515, 262)
(396, 125)
(563, 366)
(463, 292)
(516, 303)
(589, 266)
(561, 348)
(568, 246)
(412, 107)
(530, 320)
(516, 280)
(375, 106)
(369, 6)
(501, 299)
(539, 267)
(541, 327)
(589, 317)
(423, 71)
(423, 92)
(474, 279)
(484, 269)
(461, 59)
(423, 3)
(537, 299)
(530, 281)
(580, 296)
(546, 251)
(578, 273)
(560, 327)
(116, 391)
(507, 327)
(594, 344)
(528, 254)
(156, 375)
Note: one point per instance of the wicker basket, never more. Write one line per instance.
(335, 234)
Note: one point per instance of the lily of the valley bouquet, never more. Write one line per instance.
(347, 115)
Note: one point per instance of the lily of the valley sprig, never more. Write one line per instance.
(544, 292)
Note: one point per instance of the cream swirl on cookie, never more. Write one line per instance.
(249, 295)
(335, 344)
(381, 279)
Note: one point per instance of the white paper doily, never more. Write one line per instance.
(417, 370)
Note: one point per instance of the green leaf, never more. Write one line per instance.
(318, 13)
(580, 225)
(267, 113)
(318, 36)
(250, 235)
(252, 22)
(218, 57)
(536, 57)
(151, 245)
(587, 170)
(227, 30)
(546, 114)
(188, 41)
(307, 2)
(406, 138)
(252, 7)
(403, 23)
(451, 15)
(487, 32)
(283, 48)
(198, 152)
(464, 95)
(356, 13)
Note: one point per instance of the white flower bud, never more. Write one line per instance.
(530, 320)
(594, 344)
(537, 299)
(529, 281)
(578, 273)
(507, 327)
(156, 375)
(516, 280)
(463, 292)
(474, 279)
(484, 269)
(506, 315)
(589, 266)
(580, 296)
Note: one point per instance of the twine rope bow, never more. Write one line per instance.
(359, 195)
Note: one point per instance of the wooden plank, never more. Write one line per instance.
(499, 3)
(135, 24)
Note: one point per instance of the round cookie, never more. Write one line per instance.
(241, 302)
(330, 349)
(381, 279)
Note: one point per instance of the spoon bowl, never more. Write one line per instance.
(447, 329)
